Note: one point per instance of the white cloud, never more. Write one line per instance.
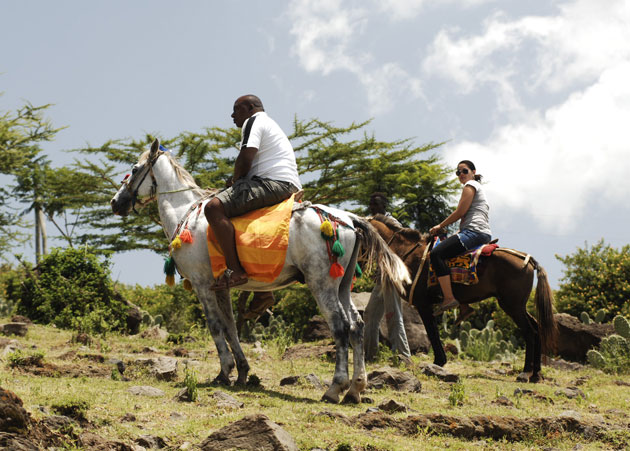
(326, 40)
(574, 46)
(554, 164)
(409, 9)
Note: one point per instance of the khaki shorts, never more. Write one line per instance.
(251, 194)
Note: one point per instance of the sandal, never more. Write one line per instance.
(225, 281)
(442, 308)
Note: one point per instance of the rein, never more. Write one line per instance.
(417, 276)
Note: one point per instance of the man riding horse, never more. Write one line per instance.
(265, 173)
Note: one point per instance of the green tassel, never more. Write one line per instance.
(338, 249)
(169, 266)
(357, 271)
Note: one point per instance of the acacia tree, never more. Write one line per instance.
(20, 135)
(337, 169)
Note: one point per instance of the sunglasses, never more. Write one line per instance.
(462, 171)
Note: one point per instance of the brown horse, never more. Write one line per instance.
(507, 275)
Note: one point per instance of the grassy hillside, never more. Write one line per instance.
(51, 371)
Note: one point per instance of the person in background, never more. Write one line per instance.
(384, 301)
(474, 230)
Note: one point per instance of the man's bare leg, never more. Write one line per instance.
(224, 231)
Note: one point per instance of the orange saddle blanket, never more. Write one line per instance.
(262, 239)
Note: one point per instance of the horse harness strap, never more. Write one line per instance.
(525, 257)
(417, 276)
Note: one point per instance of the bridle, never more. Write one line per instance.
(152, 193)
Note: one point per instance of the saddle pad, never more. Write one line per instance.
(262, 239)
(463, 268)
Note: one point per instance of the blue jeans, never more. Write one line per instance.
(471, 239)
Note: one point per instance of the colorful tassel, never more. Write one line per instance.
(326, 229)
(170, 280)
(186, 236)
(169, 266)
(357, 271)
(336, 270)
(176, 243)
(338, 249)
(187, 285)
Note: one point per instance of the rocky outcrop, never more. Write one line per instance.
(575, 338)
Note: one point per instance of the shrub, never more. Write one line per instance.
(18, 358)
(457, 395)
(174, 308)
(72, 289)
(595, 278)
(296, 305)
(190, 382)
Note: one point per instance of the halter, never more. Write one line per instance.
(153, 193)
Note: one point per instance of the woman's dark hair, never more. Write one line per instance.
(471, 166)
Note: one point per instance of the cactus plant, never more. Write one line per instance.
(622, 326)
(595, 358)
(600, 316)
(613, 355)
(585, 318)
(486, 344)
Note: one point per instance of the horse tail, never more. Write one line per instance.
(547, 327)
(393, 270)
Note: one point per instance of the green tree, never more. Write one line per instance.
(337, 168)
(20, 135)
(596, 277)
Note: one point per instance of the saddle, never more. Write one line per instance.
(465, 267)
(262, 239)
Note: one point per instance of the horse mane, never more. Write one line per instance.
(182, 174)
(407, 233)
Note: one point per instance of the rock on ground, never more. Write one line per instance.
(253, 432)
(396, 379)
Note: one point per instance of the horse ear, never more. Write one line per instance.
(154, 147)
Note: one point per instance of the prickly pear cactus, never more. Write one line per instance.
(600, 316)
(147, 319)
(585, 318)
(622, 326)
(158, 320)
(595, 359)
(464, 339)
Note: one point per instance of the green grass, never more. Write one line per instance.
(296, 407)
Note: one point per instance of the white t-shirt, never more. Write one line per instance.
(275, 158)
(477, 217)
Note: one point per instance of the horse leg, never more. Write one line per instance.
(217, 330)
(536, 363)
(359, 376)
(519, 315)
(431, 327)
(225, 307)
(339, 326)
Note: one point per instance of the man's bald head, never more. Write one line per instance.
(245, 107)
(251, 102)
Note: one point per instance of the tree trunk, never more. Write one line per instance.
(42, 231)
(37, 233)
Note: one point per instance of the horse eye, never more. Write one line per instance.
(134, 170)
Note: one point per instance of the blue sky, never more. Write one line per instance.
(535, 93)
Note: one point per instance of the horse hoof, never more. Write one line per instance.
(222, 380)
(524, 377)
(535, 378)
(330, 399)
(351, 398)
